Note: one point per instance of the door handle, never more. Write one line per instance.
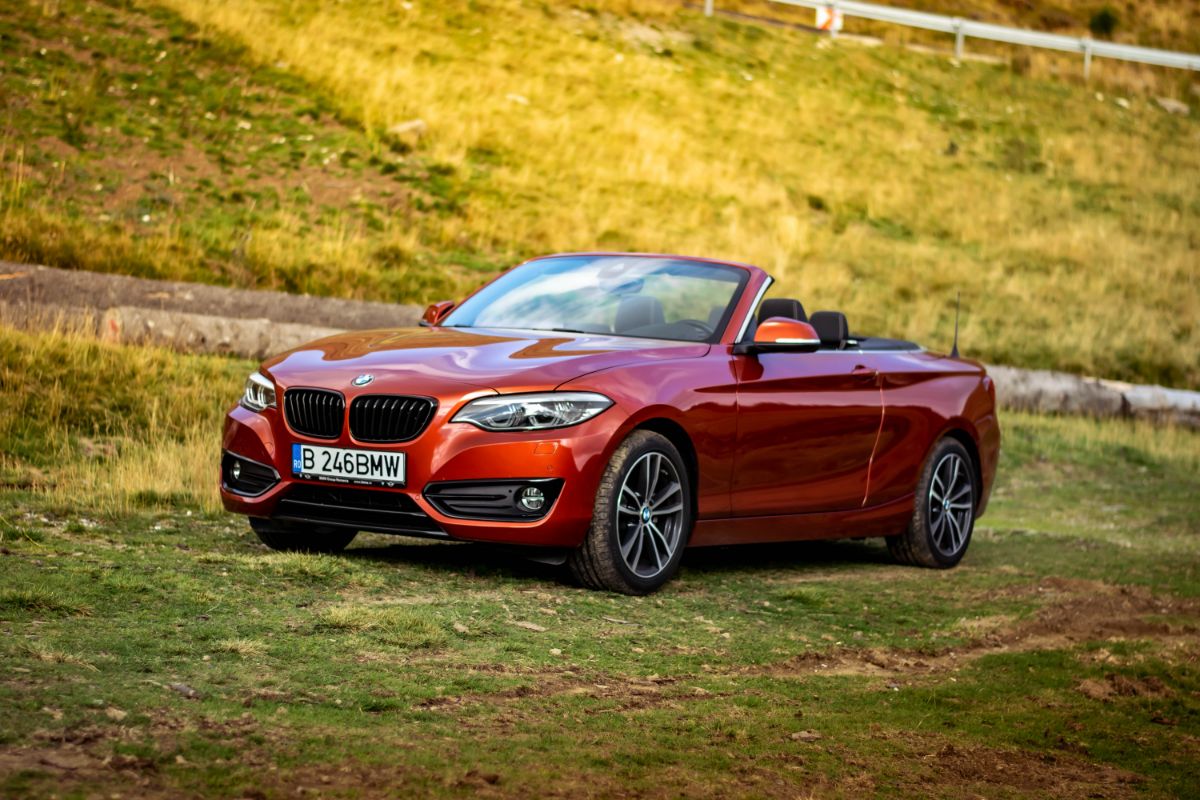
(865, 373)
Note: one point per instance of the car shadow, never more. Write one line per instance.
(480, 560)
(825, 556)
(483, 560)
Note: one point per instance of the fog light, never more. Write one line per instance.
(532, 498)
(236, 471)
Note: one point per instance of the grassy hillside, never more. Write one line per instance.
(872, 180)
(151, 648)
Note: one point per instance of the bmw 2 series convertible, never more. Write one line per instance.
(608, 410)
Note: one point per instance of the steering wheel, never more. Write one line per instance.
(698, 325)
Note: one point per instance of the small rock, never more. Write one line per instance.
(530, 626)
(1172, 106)
(115, 714)
(1122, 102)
(554, 651)
(458, 626)
(185, 690)
(806, 736)
(519, 99)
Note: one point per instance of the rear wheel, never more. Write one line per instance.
(641, 520)
(279, 535)
(944, 510)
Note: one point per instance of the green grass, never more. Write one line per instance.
(163, 650)
(255, 151)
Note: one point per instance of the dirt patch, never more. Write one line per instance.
(956, 770)
(1076, 612)
(70, 767)
(1115, 685)
(628, 693)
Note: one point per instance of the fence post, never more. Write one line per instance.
(958, 38)
(708, 8)
(833, 16)
(1087, 57)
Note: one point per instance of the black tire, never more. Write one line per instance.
(599, 563)
(939, 532)
(290, 536)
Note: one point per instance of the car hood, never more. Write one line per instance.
(429, 360)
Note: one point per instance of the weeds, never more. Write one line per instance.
(39, 600)
(401, 627)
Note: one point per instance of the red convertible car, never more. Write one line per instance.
(609, 410)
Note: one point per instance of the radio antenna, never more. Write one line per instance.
(957, 307)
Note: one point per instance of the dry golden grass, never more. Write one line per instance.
(1069, 223)
(112, 428)
(247, 648)
(406, 627)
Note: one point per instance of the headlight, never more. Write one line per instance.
(259, 393)
(531, 412)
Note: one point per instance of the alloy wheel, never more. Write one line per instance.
(951, 504)
(650, 515)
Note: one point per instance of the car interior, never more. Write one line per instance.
(831, 327)
(643, 315)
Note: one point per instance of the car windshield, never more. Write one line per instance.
(646, 297)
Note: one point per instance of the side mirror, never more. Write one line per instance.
(436, 312)
(783, 335)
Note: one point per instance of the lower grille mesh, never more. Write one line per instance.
(361, 509)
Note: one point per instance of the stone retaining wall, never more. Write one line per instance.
(256, 324)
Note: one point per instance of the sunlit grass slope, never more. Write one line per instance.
(874, 181)
(108, 428)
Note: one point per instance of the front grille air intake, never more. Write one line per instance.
(359, 509)
(389, 418)
(315, 412)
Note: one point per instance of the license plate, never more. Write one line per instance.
(347, 466)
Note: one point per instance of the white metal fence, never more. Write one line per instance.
(964, 28)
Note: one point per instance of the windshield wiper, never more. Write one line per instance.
(563, 330)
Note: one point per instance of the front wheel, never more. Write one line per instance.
(944, 510)
(286, 536)
(641, 520)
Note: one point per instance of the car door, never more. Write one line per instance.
(807, 426)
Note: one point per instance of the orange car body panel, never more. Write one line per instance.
(785, 446)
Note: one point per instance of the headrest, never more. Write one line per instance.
(781, 307)
(638, 311)
(831, 327)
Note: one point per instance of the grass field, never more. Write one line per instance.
(150, 647)
(254, 143)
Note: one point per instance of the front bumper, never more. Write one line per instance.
(571, 459)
